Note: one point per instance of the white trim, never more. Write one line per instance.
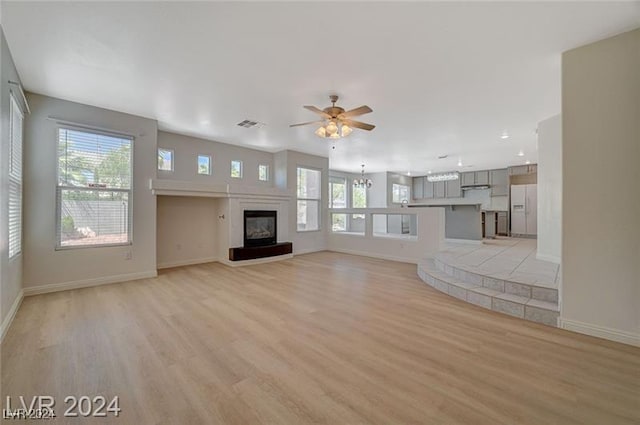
(466, 241)
(376, 255)
(308, 251)
(616, 335)
(551, 258)
(241, 263)
(85, 283)
(6, 323)
(187, 262)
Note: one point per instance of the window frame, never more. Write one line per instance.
(15, 178)
(334, 180)
(317, 200)
(267, 168)
(173, 155)
(393, 192)
(210, 168)
(59, 188)
(239, 161)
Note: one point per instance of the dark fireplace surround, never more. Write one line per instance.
(260, 237)
(260, 228)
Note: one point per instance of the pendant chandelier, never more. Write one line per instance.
(362, 182)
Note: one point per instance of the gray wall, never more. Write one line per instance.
(187, 149)
(600, 192)
(10, 271)
(550, 189)
(286, 164)
(43, 265)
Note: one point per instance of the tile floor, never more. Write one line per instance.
(505, 258)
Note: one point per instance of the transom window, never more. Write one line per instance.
(236, 169)
(165, 159)
(263, 172)
(94, 189)
(204, 164)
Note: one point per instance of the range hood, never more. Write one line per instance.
(474, 186)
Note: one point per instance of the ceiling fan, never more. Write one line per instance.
(337, 122)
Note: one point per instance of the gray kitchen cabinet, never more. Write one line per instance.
(453, 189)
(418, 185)
(482, 177)
(519, 170)
(499, 181)
(468, 178)
(427, 189)
(439, 189)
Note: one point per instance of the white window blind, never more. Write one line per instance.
(15, 178)
(94, 188)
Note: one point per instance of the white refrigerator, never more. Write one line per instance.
(524, 210)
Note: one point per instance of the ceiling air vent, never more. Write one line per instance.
(251, 124)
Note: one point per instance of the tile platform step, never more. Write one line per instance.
(540, 292)
(492, 298)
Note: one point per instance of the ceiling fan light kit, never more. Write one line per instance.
(336, 121)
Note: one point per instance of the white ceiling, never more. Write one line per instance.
(441, 78)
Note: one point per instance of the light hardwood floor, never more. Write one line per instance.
(322, 338)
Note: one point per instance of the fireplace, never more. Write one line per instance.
(260, 228)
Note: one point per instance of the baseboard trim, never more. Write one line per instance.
(241, 263)
(465, 241)
(375, 255)
(6, 323)
(86, 283)
(550, 258)
(308, 251)
(187, 262)
(624, 337)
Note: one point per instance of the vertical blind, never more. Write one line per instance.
(15, 178)
(94, 188)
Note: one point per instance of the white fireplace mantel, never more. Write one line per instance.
(189, 188)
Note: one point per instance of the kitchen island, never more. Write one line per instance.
(463, 220)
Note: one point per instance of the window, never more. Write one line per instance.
(204, 164)
(94, 189)
(359, 200)
(337, 192)
(309, 182)
(236, 169)
(263, 173)
(165, 159)
(400, 193)
(15, 178)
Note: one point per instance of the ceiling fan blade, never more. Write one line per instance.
(360, 125)
(317, 111)
(364, 109)
(306, 123)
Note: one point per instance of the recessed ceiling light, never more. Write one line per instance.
(505, 135)
(429, 172)
(527, 162)
(408, 173)
(460, 163)
(520, 153)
